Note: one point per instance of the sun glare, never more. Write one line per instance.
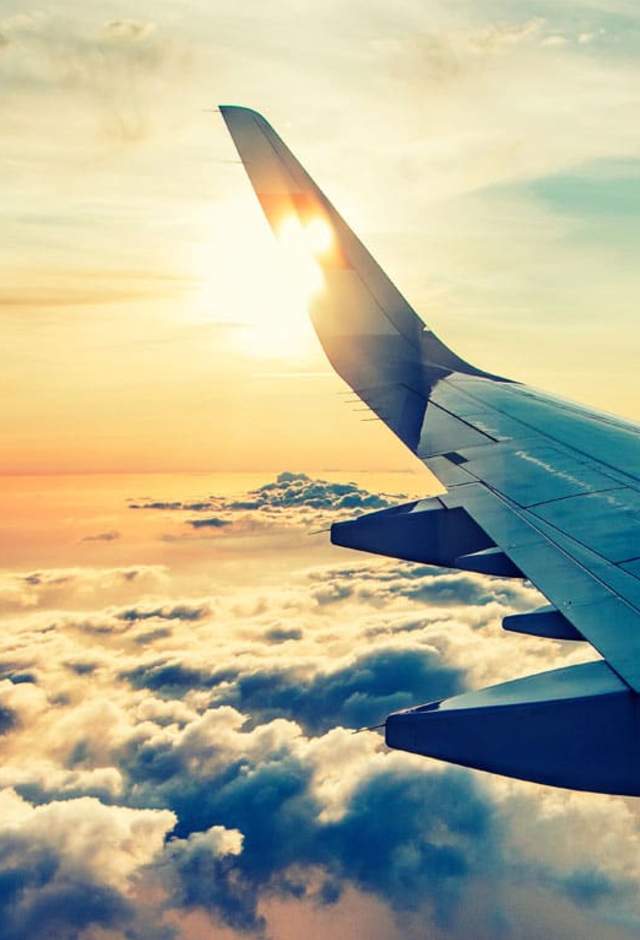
(300, 245)
(319, 236)
(261, 284)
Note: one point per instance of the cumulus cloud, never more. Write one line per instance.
(324, 804)
(69, 865)
(295, 807)
(297, 489)
(378, 585)
(360, 692)
(20, 702)
(107, 843)
(200, 871)
(291, 500)
(40, 778)
(75, 586)
(200, 732)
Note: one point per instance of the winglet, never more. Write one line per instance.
(363, 296)
(371, 335)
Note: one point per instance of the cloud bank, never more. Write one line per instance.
(178, 761)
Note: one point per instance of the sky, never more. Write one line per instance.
(184, 658)
(486, 152)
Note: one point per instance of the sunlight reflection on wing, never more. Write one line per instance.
(319, 236)
(300, 246)
(263, 285)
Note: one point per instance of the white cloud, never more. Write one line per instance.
(107, 843)
(216, 841)
(75, 587)
(104, 733)
(47, 776)
(22, 701)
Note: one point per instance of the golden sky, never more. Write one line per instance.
(486, 152)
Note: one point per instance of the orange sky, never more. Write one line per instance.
(148, 322)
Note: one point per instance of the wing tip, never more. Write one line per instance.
(230, 110)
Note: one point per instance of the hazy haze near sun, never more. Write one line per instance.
(486, 152)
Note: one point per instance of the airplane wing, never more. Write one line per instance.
(536, 487)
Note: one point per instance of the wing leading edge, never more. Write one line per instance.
(537, 487)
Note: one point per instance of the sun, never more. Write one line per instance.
(319, 236)
(301, 246)
(260, 284)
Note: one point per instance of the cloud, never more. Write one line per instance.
(148, 637)
(129, 30)
(114, 68)
(20, 702)
(75, 586)
(291, 500)
(111, 536)
(106, 843)
(361, 692)
(171, 505)
(211, 522)
(326, 805)
(154, 614)
(290, 490)
(216, 703)
(170, 677)
(184, 611)
(282, 634)
(69, 864)
(42, 778)
(274, 796)
(422, 583)
(200, 872)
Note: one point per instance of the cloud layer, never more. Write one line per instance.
(291, 499)
(175, 759)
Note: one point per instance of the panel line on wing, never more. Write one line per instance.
(626, 477)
